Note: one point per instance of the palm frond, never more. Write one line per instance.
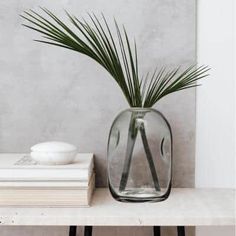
(95, 39)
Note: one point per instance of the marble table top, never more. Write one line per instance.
(185, 206)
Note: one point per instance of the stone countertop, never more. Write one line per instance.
(185, 206)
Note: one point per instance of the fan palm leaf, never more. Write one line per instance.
(95, 39)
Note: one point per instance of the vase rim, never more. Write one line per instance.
(141, 108)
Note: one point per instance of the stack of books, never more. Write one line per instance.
(23, 182)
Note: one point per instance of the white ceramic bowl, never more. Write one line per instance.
(53, 153)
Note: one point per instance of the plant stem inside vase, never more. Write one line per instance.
(149, 157)
(137, 125)
(132, 135)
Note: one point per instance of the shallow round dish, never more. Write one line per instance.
(53, 153)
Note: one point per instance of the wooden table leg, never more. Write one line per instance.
(156, 230)
(88, 230)
(72, 231)
(181, 230)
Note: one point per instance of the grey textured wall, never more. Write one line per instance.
(49, 93)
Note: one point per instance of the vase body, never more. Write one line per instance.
(140, 156)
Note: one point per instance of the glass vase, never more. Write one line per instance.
(140, 156)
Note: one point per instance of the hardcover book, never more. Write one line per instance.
(47, 197)
(20, 167)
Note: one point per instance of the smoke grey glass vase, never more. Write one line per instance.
(140, 156)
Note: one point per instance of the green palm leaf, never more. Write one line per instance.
(95, 40)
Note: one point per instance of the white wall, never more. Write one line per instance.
(215, 147)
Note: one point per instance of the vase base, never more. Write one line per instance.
(140, 194)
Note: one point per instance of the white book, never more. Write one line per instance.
(27, 184)
(20, 167)
(42, 184)
(47, 197)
